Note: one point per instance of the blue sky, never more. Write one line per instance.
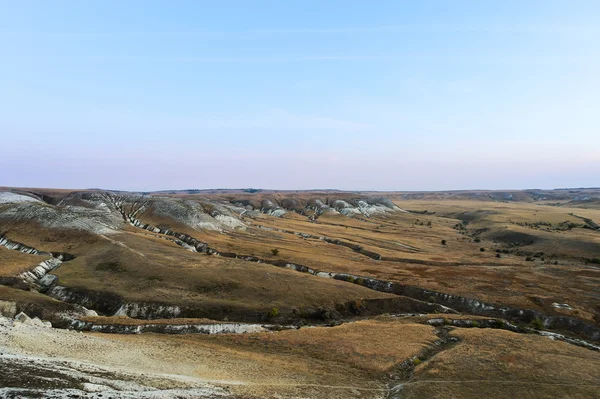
(387, 95)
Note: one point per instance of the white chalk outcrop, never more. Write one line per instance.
(94, 220)
(88, 367)
(7, 197)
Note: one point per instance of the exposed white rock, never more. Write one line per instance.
(5, 242)
(142, 310)
(575, 341)
(89, 387)
(22, 317)
(325, 274)
(350, 211)
(183, 393)
(8, 197)
(277, 213)
(230, 221)
(562, 306)
(217, 328)
(39, 273)
(99, 221)
(37, 322)
(99, 382)
(372, 209)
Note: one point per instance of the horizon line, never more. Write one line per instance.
(9, 188)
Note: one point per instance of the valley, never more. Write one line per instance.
(258, 293)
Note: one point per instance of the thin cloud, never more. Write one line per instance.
(482, 58)
(436, 28)
(406, 28)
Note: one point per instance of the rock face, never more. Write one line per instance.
(148, 311)
(93, 217)
(216, 328)
(38, 278)
(103, 302)
(16, 246)
(198, 215)
(39, 273)
(351, 207)
(105, 212)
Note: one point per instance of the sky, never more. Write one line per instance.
(353, 95)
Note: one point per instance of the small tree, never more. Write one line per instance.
(274, 312)
(538, 324)
(275, 251)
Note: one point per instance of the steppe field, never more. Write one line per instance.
(299, 294)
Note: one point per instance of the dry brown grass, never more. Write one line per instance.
(152, 266)
(353, 357)
(156, 270)
(14, 262)
(497, 363)
(374, 346)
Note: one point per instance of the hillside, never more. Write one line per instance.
(327, 293)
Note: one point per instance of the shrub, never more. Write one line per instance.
(443, 242)
(274, 312)
(477, 239)
(522, 327)
(357, 305)
(529, 259)
(416, 361)
(482, 249)
(538, 324)
(475, 324)
(498, 255)
(275, 251)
